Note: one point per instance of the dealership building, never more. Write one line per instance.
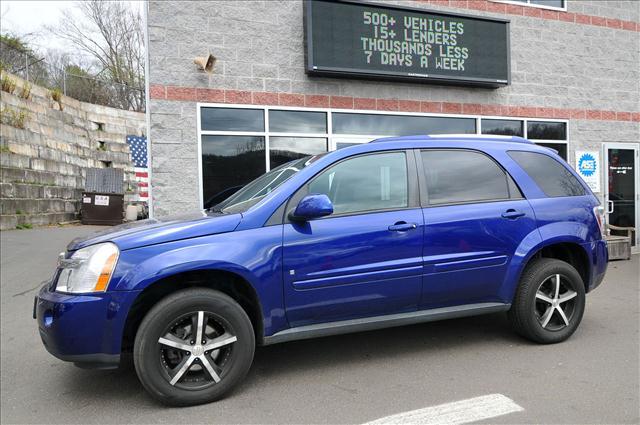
(293, 77)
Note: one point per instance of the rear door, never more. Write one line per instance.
(366, 258)
(475, 218)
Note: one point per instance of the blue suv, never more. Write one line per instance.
(393, 232)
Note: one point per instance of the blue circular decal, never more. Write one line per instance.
(587, 165)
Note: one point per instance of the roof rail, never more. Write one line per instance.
(488, 137)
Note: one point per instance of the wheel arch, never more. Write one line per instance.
(227, 282)
(569, 250)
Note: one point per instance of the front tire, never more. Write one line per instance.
(549, 302)
(193, 347)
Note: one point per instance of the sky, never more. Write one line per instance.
(22, 17)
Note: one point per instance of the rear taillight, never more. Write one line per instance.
(599, 213)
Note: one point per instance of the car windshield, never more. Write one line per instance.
(253, 192)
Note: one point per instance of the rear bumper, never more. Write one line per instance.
(83, 329)
(599, 257)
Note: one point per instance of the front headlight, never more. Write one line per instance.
(88, 270)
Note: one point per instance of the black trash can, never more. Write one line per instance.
(103, 198)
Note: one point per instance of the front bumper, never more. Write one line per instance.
(83, 329)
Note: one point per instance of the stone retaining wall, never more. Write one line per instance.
(43, 165)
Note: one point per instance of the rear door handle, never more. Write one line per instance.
(402, 226)
(512, 214)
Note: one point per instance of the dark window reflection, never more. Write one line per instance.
(400, 125)
(561, 148)
(232, 119)
(472, 178)
(229, 162)
(550, 175)
(297, 122)
(503, 127)
(622, 188)
(285, 149)
(546, 130)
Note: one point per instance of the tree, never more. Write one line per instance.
(17, 57)
(112, 33)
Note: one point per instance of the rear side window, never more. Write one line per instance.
(458, 176)
(550, 175)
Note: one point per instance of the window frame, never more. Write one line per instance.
(424, 190)
(539, 6)
(334, 138)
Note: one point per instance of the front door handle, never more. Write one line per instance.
(402, 226)
(512, 214)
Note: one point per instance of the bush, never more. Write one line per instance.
(8, 84)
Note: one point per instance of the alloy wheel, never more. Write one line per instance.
(555, 303)
(196, 350)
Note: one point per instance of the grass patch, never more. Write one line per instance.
(24, 226)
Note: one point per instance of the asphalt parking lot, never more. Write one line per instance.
(594, 377)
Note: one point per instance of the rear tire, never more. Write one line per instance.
(549, 303)
(193, 347)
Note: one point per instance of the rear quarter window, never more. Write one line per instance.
(550, 175)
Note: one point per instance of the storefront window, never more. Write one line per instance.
(285, 149)
(232, 119)
(297, 122)
(228, 163)
(551, 4)
(400, 125)
(239, 143)
(546, 130)
(503, 127)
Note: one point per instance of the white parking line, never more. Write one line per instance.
(458, 412)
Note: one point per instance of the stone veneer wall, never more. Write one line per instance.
(43, 166)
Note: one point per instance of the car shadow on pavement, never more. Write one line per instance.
(320, 354)
(431, 339)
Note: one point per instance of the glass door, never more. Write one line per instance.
(622, 183)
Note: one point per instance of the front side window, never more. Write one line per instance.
(551, 176)
(458, 176)
(365, 183)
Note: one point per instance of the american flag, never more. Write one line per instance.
(138, 147)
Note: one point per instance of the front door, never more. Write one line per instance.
(621, 188)
(366, 258)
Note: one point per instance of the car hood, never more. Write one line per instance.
(155, 231)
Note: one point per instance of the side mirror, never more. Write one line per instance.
(312, 206)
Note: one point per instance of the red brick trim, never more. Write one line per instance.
(535, 12)
(192, 94)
